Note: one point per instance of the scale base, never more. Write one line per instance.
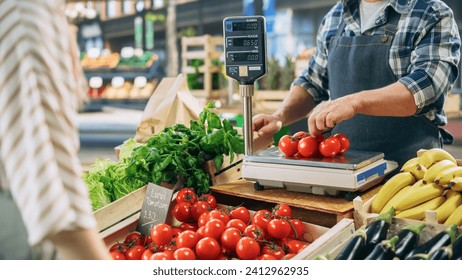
(316, 180)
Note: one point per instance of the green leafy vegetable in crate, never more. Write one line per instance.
(176, 151)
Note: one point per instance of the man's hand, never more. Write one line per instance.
(327, 114)
(266, 125)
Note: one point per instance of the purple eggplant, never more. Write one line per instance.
(408, 240)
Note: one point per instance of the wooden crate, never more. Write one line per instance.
(267, 101)
(317, 236)
(205, 48)
(333, 246)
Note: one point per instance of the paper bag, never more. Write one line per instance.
(171, 103)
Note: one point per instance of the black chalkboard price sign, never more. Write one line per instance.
(155, 208)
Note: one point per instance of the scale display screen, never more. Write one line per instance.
(245, 48)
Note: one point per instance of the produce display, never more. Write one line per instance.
(104, 61)
(303, 145)
(143, 60)
(208, 231)
(379, 240)
(427, 182)
(177, 152)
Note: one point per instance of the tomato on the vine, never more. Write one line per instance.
(117, 255)
(182, 212)
(229, 238)
(149, 252)
(308, 146)
(135, 252)
(214, 228)
(344, 142)
(208, 249)
(210, 199)
(247, 248)
(278, 228)
(255, 232)
(184, 254)
(268, 257)
(288, 145)
(121, 247)
(241, 213)
(273, 249)
(188, 239)
(236, 223)
(261, 219)
(294, 246)
(282, 210)
(134, 238)
(161, 256)
(188, 226)
(330, 147)
(218, 214)
(186, 195)
(300, 134)
(198, 208)
(161, 234)
(297, 228)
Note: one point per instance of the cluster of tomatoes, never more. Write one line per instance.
(210, 232)
(301, 144)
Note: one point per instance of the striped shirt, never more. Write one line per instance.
(40, 90)
(424, 53)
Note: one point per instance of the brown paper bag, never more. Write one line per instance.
(171, 103)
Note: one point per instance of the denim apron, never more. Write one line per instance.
(361, 63)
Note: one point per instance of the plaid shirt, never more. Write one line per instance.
(424, 53)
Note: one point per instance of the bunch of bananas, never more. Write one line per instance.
(431, 181)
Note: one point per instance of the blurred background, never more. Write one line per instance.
(128, 46)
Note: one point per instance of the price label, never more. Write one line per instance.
(118, 82)
(95, 82)
(155, 208)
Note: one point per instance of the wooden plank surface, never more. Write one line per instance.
(321, 203)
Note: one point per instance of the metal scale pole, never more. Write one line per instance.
(246, 92)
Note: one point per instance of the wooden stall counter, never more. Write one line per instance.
(322, 210)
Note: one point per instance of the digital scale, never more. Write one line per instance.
(245, 61)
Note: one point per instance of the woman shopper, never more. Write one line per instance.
(45, 212)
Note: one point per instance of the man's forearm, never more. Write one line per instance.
(297, 104)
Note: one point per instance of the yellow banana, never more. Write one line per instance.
(394, 199)
(418, 212)
(455, 217)
(416, 169)
(456, 184)
(447, 175)
(432, 156)
(418, 195)
(412, 162)
(390, 188)
(436, 169)
(453, 200)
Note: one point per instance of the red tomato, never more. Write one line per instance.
(299, 228)
(135, 252)
(200, 231)
(330, 147)
(273, 249)
(188, 226)
(188, 239)
(300, 134)
(344, 142)
(203, 219)
(278, 228)
(288, 257)
(117, 255)
(214, 228)
(241, 213)
(208, 249)
(121, 247)
(282, 210)
(255, 232)
(182, 212)
(161, 234)
(149, 252)
(308, 146)
(247, 248)
(320, 138)
(267, 257)
(295, 246)
(161, 256)
(147, 240)
(288, 145)
(184, 254)
(261, 220)
(186, 195)
(134, 238)
(210, 199)
(236, 223)
(217, 214)
(198, 208)
(176, 231)
(229, 238)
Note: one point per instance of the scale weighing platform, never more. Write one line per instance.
(246, 62)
